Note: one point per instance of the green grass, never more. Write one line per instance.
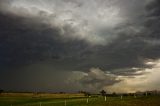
(77, 101)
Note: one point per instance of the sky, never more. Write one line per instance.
(72, 45)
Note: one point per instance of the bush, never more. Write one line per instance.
(1, 90)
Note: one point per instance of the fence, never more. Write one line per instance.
(74, 102)
(65, 102)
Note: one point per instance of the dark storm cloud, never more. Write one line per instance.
(20, 43)
(153, 8)
(31, 50)
(152, 20)
(130, 49)
(23, 44)
(26, 40)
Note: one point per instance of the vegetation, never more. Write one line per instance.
(103, 93)
(1, 91)
(31, 99)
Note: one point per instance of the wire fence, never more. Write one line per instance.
(109, 101)
(66, 102)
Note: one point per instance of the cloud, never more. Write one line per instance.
(22, 44)
(75, 35)
(4, 4)
(149, 80)
(71, 18)
(37, 77)
(92, 81)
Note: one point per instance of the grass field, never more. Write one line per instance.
(29, 99)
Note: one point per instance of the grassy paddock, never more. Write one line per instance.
(30, 99)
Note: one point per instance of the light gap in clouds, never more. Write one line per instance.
(148, 79)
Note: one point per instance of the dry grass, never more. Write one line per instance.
(43, 95)
(31, 99)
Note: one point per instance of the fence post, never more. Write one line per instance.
(40, 104)
(121, 96)
(87, 100)
(105, 98)
(65, 103)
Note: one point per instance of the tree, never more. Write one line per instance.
(114, 94)
(87, 94)
(103, 93)
(1, 91)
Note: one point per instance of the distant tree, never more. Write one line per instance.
(61, 92)
(114, 94)
(81, 91)
(103, 93)
(87, 94)
(125, 94)
(1, 91)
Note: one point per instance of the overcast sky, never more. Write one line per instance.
(72, 45)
